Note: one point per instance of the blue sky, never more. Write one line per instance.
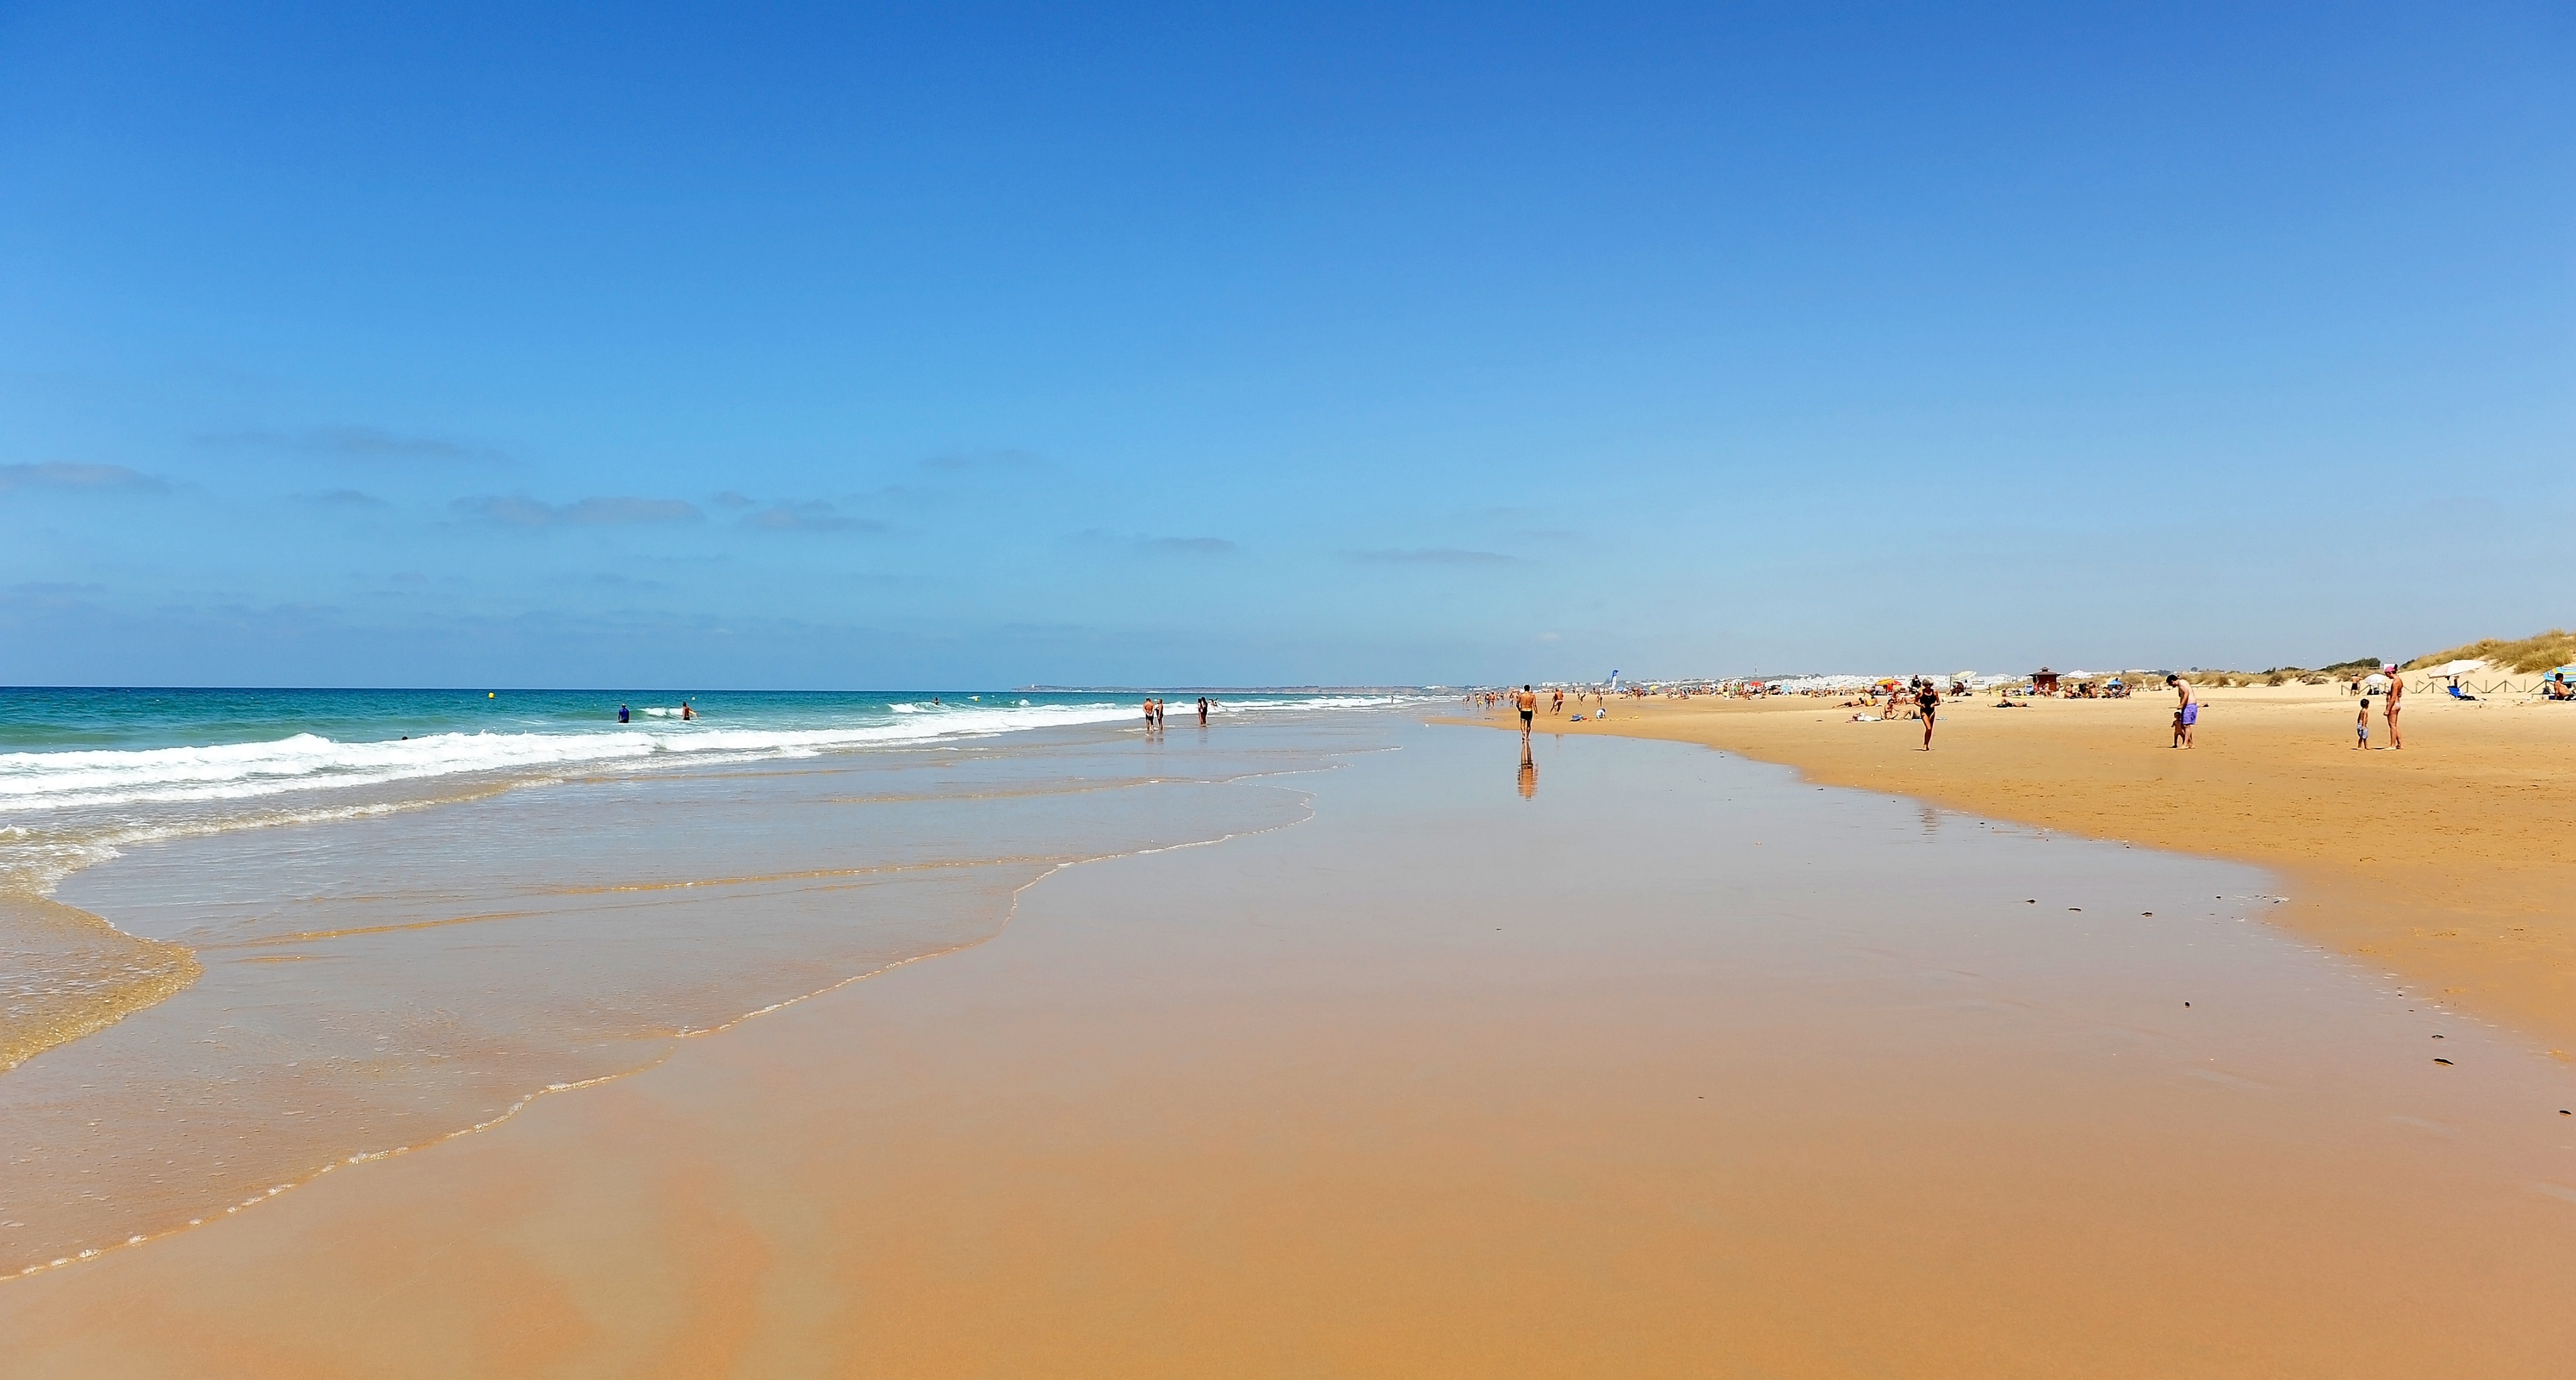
(979, 346)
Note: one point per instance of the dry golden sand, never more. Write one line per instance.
(2452, 863)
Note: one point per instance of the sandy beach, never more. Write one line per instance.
(2448, 864)
(810, 691)
(1629, 1060)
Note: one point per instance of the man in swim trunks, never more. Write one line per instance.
(2396, 688)
(1527, 702)
(2189, 707)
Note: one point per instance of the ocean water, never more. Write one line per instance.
(247, 936)
(64, 750)
(84, 771)
(86, 774)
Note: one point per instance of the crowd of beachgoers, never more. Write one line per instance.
(2455, 680)
(1919, 698)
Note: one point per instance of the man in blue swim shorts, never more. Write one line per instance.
(2190, 707)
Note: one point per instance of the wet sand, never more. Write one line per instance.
(2450, 863)
(1676, 1066)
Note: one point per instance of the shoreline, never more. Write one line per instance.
(2446, 864)
(121, 974)
(398, 1006)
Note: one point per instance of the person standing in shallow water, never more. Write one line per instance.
(1203, 709)
(1527, 702)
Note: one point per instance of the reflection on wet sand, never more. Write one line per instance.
(1529, 773)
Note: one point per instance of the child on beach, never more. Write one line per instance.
(2177, 742)
(2361, 727)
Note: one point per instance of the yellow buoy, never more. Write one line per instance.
(491, 694)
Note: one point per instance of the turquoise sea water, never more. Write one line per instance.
(83, 771)
(50, 719)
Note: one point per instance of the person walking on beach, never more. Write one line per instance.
(1203, 708)
(2361, 727)
(1527, 703)
(2396, 688)
(2186, 711)
(1927, 700)
(1149, 714)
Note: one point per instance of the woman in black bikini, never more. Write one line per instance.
(1928, 700)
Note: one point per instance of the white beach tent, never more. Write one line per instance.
(2456, 668)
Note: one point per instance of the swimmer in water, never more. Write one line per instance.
(621, 715)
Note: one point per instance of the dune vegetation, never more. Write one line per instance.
(2543, 652)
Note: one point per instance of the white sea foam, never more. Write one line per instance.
(33, 781)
